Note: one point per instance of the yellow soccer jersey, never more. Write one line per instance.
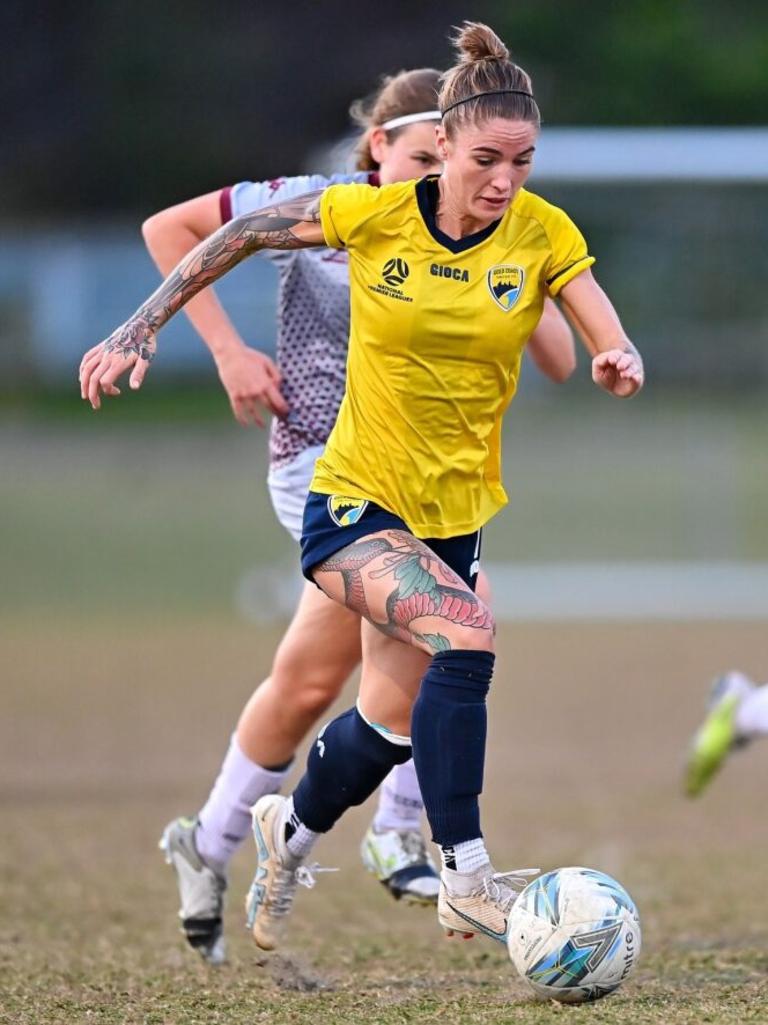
(438, 328)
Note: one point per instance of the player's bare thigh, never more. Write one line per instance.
(317, 654)
(322, 643)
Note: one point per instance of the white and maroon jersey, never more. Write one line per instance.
(312, 318)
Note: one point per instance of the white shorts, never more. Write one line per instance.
(289, 487)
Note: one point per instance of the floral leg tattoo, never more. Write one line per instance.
(417, 593)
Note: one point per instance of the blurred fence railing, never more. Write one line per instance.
(63, 290)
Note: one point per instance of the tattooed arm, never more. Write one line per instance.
(250, 377)
(293, 224)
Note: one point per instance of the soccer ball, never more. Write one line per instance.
(574, 935)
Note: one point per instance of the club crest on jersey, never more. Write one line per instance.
(344, 511)
(505, 283)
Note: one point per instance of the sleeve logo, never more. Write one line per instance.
(345, 511)
(505, 283)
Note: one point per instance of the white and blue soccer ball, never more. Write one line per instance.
(574, 935)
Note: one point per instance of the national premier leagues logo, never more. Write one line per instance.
(345, 511)
(505, 283)
(394, 274)
(395, 271)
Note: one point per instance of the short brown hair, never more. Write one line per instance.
(484, 66)
(408, 92)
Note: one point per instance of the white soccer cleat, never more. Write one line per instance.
(399, 860)
(480, 902)
(201, 891)
(278, 873)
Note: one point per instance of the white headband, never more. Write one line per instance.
(409, 119)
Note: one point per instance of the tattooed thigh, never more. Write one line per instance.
(398, 583)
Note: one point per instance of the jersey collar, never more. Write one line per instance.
(427, 196)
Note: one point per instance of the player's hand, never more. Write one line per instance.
(619, 372)
(130, 346)
(252, 382)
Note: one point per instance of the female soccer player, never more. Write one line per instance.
(397, 144)
(448, 278)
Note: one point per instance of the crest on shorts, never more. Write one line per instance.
(345, 511)
(505, 283)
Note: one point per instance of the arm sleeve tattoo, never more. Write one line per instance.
(270, 228)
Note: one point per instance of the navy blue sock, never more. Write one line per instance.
(448, 732)
(346, 763)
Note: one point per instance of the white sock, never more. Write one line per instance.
(301, 839)
(465, 858)
(752, 713)
(225, 819)
(400, 804)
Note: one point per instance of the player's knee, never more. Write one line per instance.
(307, 683)
(311, 701)
(468, 638)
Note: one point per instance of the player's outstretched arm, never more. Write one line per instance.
(250, 377)
(551, 346)
(616, 364)
(293, 224)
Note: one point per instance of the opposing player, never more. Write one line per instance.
(304, 392)
(448, 279)
(737, 713)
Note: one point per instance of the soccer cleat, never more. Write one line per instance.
(399, 860)
(278, 873)
(200, 888)
(480, 902)
(717, 736)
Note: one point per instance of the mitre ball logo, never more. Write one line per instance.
(395, 271)
(345, 511)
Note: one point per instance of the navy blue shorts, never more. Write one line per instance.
(331, 522)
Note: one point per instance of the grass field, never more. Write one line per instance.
(124, 667)
(110, 732)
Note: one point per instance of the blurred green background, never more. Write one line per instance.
(159, 503)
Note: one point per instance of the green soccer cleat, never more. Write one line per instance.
(717, 737)
(399, 860)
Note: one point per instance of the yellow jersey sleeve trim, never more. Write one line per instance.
(330, 234)
(561, 279)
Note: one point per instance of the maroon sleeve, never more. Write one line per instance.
(225, 204)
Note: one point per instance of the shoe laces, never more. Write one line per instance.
(305, 874)
(286, 880)
(503, 888)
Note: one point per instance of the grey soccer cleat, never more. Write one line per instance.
(200, 888)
